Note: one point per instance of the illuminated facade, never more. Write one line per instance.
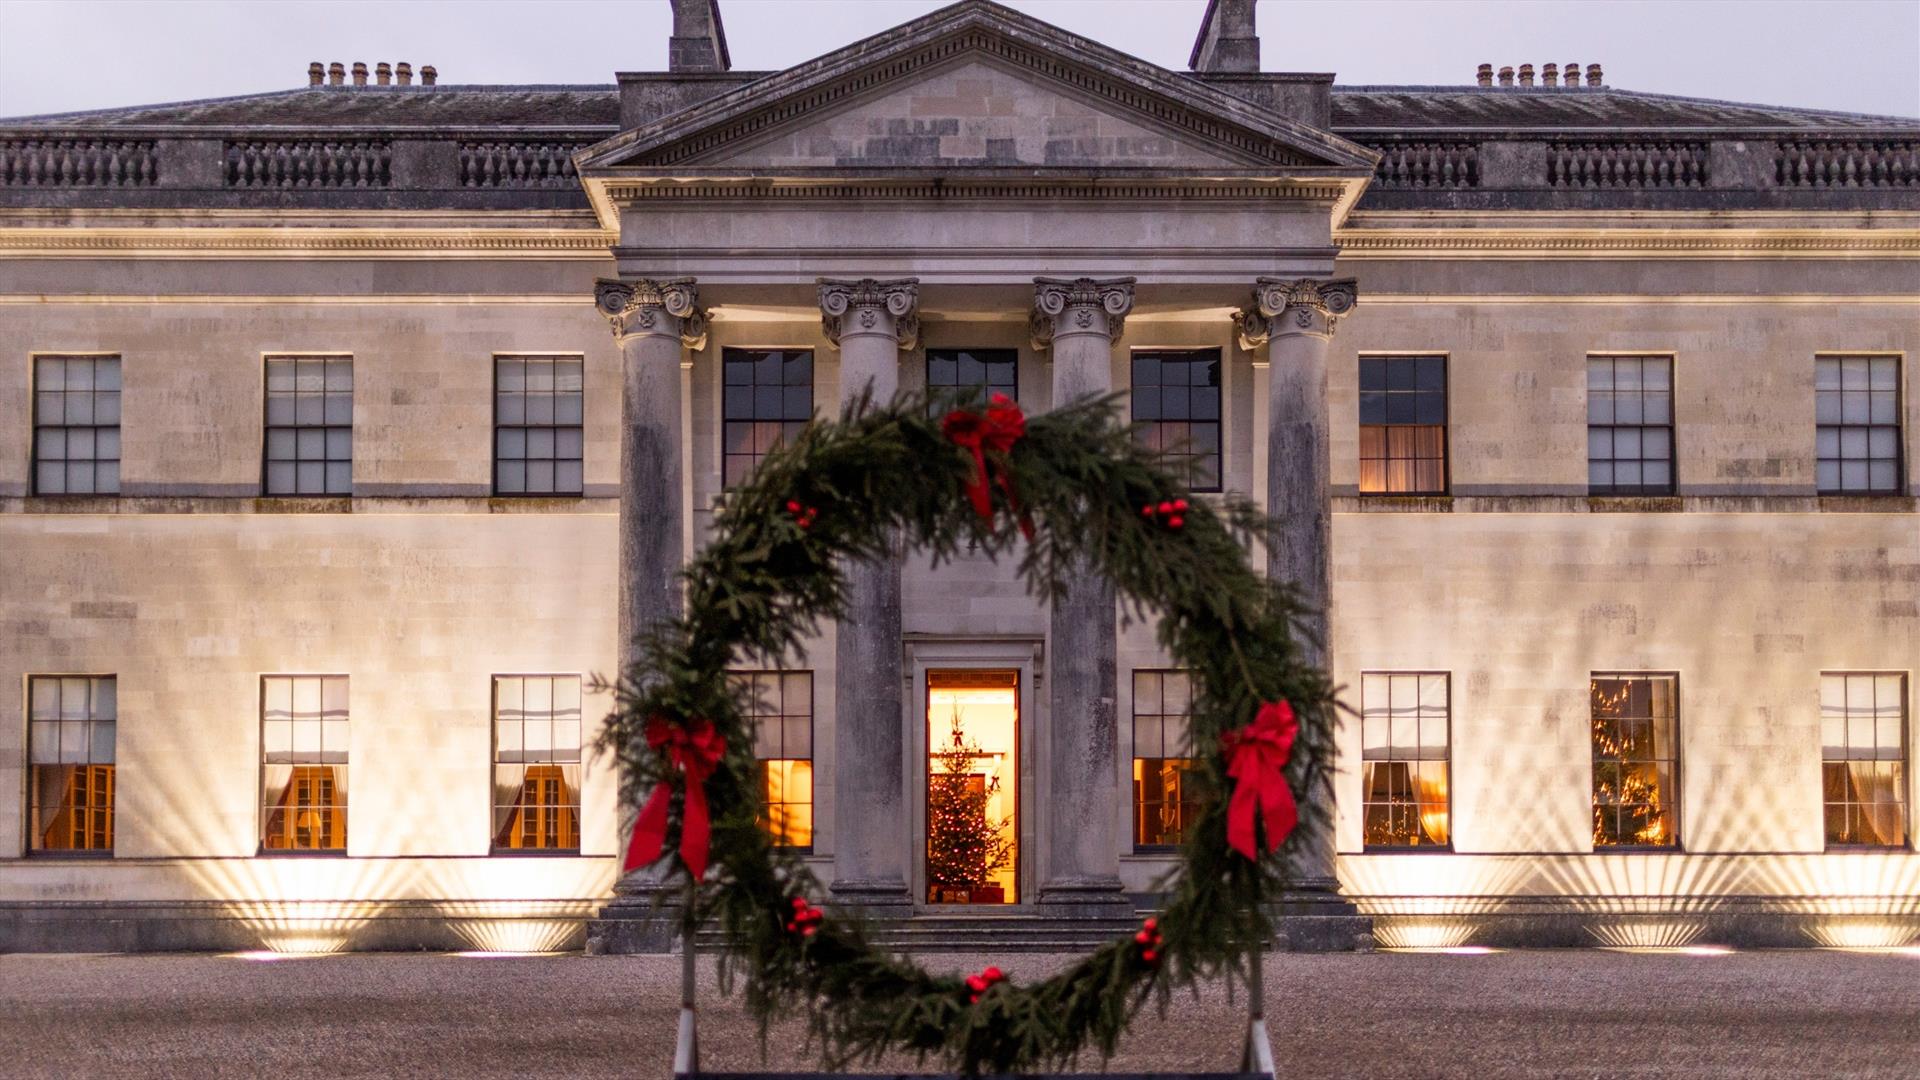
(325, 489)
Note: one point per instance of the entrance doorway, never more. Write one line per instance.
(973, 786)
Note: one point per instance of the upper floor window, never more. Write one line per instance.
(768, 397)
(780, 704)
(1405, 744)
(70, 737)
(1636, 757)
(1403, 425)
(309, 425)
(1176, 410)
(1857, 412)
(537, 408)
(76, 425)
(303, 763)
(971, 376)
(1630, 425)
(536, 762)
(1164, 799)
(1863, 767)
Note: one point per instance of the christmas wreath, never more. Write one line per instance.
(1073, 487)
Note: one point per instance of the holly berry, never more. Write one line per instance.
(1176, 521)
(1148, 938)
(981, 983)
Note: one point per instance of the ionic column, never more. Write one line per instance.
(1295, 320)
(871, 322)
(652, 322)
(1079, 319)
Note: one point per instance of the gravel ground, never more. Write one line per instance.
(1511, 1014)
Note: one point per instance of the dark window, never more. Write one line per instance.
(1176, 410)
(1857, 410)
(780, 704)
(768, 397)
(309, 425)
(536, 762)
(1404, 737)
(970, 376)
(1164, 799)
(70, 737)
(303, 763)
(537, 405)
(1863, 767)
(1636, 756)
(1403, 425)
(76, 425)
(1629, 425)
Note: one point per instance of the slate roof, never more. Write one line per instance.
(1355, 108)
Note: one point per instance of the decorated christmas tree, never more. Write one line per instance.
(964, 846)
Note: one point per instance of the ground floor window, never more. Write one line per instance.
(973, 786)
(303, 770)
(780, 704)
(1164, 800)
(70, 737)
(1636, 758)
(536, 763)
(1405, 722)
(1863, 768)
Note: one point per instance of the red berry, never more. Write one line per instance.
(792, 926)
(1166, 508)
(1176, 521)
(793, 506)
(1147, 510)
(810, 931)
(1151, 923)
(976, 984)
(993, 974)
(1143, 938)
(973, 999)
(1180, 504)
(1150, 956)
(799, 903)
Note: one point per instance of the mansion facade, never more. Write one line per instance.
(349, 433)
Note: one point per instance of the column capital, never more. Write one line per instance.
(1063, 306)
(890, 308)
(650, 307)
(1283, 307)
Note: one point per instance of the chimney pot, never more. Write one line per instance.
(1549, 74)
(1506, 76)
(316, 74)
(1484, 76)
(336, 74)
(1593, 75)
(359, 73)
(403, 72)
(383, 73)
(1526, 74)
(427, 75)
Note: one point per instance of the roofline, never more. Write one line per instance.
(270, 95)
(1638, 95)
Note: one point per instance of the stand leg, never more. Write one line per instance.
(686, 1047)
(1258, 1055)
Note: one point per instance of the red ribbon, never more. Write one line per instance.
(1256, 757)
(695, 749)
(996, 430)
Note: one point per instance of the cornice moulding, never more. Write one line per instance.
(341, 243)
(1433, 243)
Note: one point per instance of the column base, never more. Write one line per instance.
(1086, 898)
(643, 918)
(1310, 919)
(884, 899)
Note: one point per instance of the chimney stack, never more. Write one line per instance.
(403, 73)
(359, 73)
(1506, 76)
(699, 42)
(316, 74)
(427, 75)
(383, 73)
(336, 74)
(1593, 75)
(1227, 41)
(1549, 74)
(1485, 75)
(1526, 74)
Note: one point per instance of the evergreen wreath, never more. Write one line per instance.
(1071, 488)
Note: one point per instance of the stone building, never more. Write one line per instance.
(325, 490)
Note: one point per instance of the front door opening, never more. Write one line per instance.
(973, 769)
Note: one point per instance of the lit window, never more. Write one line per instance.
(70, 737)
(537, 406)
(970, 376)
(1857, 413)
(303, 753)
(536, 762)
(1863, 769)
(76, 425)
(1636, 784)
(1164, 800)
(1404, 735)
(780, 704)
(309, 425)
(1176, 410)
(768, 397)
(1403, 425)
(1629, 425)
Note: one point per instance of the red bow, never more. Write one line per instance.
(1256, 756)
(695, 749)
(997, 429)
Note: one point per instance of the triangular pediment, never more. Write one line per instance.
(978, 85)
